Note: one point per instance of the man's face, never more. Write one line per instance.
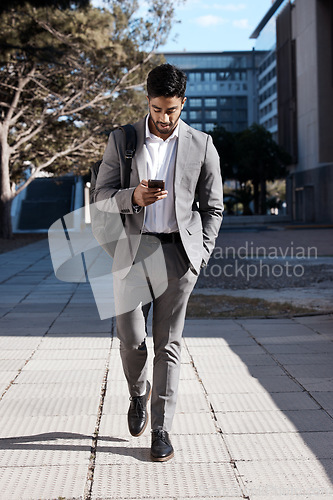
(164, 114)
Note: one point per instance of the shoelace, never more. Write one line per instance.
(138, 404)
(159, 434)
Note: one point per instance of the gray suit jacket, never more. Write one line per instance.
(197, 173)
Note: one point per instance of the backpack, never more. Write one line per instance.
(105, 225)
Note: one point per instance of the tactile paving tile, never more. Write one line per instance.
(284, 446)
(187, 372)
(189, 387)
(229, 385)
(203, 448)
(6, 354)
(183, 423)
(115, 426)
(11, 364)
(26, 343)
(277, 421)
(26, 483)
(261, 402)
(63, 364)
(185, 356)
(116, 404)
(66, 425)
(192, 403)
(178, 480)
(286, 478)
(7, 377)
(60, 377)
(226, 350)
(44, 450)
(65, 354)
(53, 390)
(194, 423)
(322, 496)
(211, 364)
(53, 342)
(12, 408)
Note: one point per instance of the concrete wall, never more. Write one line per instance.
(304, 29)
(325, 79)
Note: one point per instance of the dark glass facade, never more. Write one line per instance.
(222, 88)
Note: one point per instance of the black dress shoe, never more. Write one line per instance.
(137, 416)
(161, 447)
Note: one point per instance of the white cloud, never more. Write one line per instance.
(230, 7)
(209, 20)
(242, 24)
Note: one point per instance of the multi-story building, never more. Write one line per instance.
(221, 88)
(304, 50)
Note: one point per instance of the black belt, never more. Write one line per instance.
(165, 237)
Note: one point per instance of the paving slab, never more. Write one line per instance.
(43, 482)
(254, 416)
(297, 477)
(262, 401)
(124, 481)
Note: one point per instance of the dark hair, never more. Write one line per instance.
(166, 81)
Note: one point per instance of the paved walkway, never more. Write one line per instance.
(254, 416)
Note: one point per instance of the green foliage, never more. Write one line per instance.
(69, 76)
(251, 156)
(225, 144)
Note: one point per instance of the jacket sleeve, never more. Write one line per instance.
(109, 196)
(210, 197)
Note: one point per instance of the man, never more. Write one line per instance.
(185, 217)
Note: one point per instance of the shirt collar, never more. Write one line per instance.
(151, 136)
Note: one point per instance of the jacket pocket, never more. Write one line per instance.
(194, 227)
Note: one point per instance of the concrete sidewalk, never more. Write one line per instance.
(254, 415)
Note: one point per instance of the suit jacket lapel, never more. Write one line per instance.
(184, 143)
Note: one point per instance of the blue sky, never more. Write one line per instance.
(215, 25)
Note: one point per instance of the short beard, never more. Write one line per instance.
(166, 131)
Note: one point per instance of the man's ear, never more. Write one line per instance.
(184, 100)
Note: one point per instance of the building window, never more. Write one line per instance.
(209, 127)
(211, 115)
(241, 102)
(225, 75)
(195, 103)
(226, 115)
(211, 102)
(241, 114)
(194, 77)
(195, 115)
(226, 102)
(198, 126)
(210, 77)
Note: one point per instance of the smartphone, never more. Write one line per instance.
(156, 183)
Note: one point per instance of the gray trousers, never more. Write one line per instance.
(169, 311)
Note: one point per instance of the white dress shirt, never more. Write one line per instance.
(161, 158)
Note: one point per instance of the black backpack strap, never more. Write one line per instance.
(93, 176)
(130, 147)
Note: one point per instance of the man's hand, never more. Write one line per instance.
(144, 196)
